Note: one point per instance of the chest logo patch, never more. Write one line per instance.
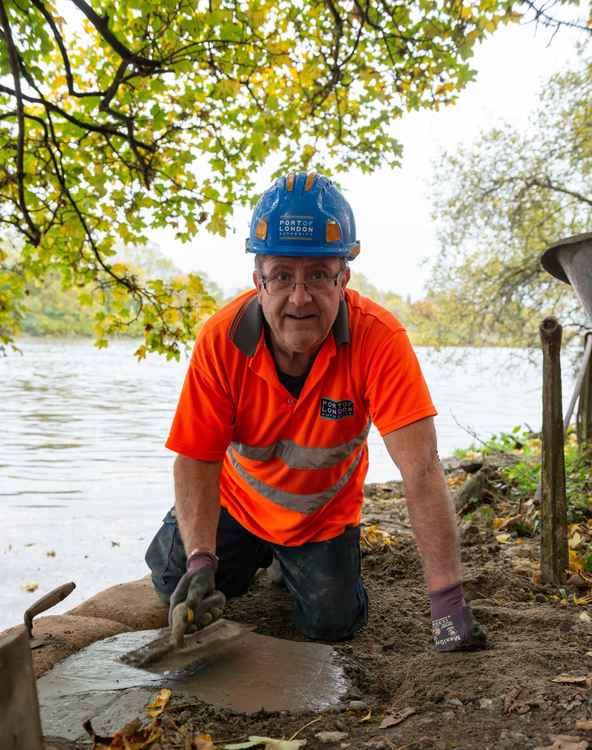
(336, 409)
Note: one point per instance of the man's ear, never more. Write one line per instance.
(258, 284)
(345, 277)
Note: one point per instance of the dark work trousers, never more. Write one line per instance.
(323, 577)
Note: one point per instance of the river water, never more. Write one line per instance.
(85, 478)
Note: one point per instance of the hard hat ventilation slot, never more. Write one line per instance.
(261, 230)
(310, 178)
(333, 232)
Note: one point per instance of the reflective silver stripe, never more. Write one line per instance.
(300, 457)
(290, 500)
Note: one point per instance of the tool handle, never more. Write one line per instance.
(49, 600)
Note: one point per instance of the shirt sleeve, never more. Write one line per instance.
(203, 423)
(396, 390)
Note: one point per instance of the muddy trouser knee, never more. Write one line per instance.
(240, 554)
(324, 579)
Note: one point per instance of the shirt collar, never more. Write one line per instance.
(245, 330)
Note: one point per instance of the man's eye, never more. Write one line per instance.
(282, 276)
(317, 276)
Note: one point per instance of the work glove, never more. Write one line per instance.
(195, 603)
(454, 627)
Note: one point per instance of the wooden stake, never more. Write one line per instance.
(584, 414)
(554, 549)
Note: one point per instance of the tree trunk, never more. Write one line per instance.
(554, 549)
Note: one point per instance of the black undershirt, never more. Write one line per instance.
(292, 383)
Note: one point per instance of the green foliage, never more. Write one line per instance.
(53, 309)
(499, 204)
(139, 114)
(518, 454)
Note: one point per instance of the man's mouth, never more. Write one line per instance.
(301, 317)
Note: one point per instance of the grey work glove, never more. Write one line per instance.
(453, 625)
(195, 603)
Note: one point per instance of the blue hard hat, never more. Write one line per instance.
(304, 215)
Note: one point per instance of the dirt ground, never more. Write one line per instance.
(404, 694)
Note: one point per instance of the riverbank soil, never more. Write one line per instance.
(532, 688)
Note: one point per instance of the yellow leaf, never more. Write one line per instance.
(581, 601)
(575, 562)
(366, 718)
(203, 742)
(373, 538)
(158, 705)
(30, 587)
(503, 538)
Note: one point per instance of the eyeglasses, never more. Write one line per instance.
(284, 282)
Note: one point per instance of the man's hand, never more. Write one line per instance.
(453, 625)
(195, 603)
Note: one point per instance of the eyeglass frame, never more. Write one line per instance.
(265, 279)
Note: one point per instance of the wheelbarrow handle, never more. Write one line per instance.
(49, 600)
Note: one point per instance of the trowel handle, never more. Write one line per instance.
(49, 600)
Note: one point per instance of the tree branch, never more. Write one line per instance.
(82, 124)
(64, 53)
(541, 16)
(33, 234)
(101, 24)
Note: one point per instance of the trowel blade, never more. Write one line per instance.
(201, 646)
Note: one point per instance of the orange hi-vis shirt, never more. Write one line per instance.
(294, 468)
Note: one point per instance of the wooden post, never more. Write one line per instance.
(554, 549)
(20, 726)
(584, 414)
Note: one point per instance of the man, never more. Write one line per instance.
(271, 432)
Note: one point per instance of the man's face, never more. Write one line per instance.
(300, 319)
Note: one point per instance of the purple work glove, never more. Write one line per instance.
(453, 626)
(195, 602)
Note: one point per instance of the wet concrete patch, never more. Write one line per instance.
(256, 672)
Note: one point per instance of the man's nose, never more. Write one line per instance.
(300, 294)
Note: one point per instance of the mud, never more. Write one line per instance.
(503, 697)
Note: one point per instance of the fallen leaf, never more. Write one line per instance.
(203, 742)
(268, 743)
(565, 742)
(132, 736)
(30, 587)
(509, 524)
(158, 705)
(575, 562)
(573, 679)
(372, 538)
(503, 538)
(394, 719)
(50, 553)
(514, 703)
(584, 724)
(366, 718)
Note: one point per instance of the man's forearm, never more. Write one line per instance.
(197, 502)
(433, 520)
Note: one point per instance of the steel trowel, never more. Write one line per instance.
(176, 647)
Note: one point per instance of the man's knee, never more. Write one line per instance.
(334, 614)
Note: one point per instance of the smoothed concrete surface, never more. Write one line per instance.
(252, 673)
